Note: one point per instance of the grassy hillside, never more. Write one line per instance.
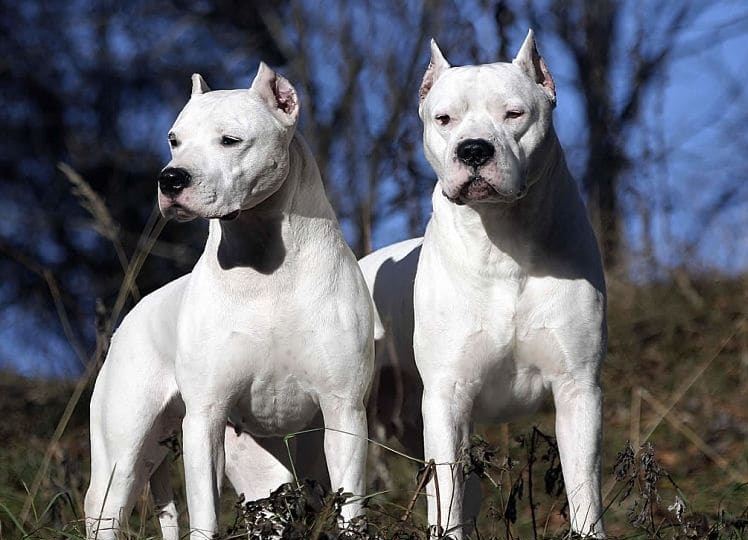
(676, 377)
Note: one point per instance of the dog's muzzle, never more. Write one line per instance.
(173, 180)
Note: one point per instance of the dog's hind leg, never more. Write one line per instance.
(119, 479)
(129, 418)
(116, 468)
(256, 466)
(112, 495)
(96, 496)
(163, 501)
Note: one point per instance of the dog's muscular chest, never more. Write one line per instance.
(480, 316)
(261, 356)
(510, 377)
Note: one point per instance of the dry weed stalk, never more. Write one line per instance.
(150, 233)
(103, 222)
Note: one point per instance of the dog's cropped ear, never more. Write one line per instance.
(437, 65)
(278, 93)
(529, 60)
(199, 86)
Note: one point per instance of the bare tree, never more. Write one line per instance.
(103, 109)
(361, 113)
(591, 30)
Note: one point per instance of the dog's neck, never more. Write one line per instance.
(528, 233)
(263, 238)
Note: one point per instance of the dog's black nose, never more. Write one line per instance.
(475, 152)
(173, 180)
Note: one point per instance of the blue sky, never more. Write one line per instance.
(694, 113)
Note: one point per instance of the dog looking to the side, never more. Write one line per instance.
(272, 326)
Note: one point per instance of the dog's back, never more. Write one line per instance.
(395, 401)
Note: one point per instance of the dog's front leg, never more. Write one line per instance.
(446, 429)
(345, 448)
(579, 434)
(203, 434)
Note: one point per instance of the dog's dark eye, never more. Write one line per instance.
(173, 142)
(514, 113)
(443, 119)
(228, 140)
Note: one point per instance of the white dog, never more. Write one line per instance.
(273, 324)
(509, 296)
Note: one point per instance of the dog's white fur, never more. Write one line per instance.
(509, 293)
(273, 325)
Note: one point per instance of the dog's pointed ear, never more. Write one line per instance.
(278, 93)
(199, 86)
(528, 59)
(437, 66)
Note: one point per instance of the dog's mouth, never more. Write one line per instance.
(475, 189)
(478, 189)
(180, 213)
(231, 216)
